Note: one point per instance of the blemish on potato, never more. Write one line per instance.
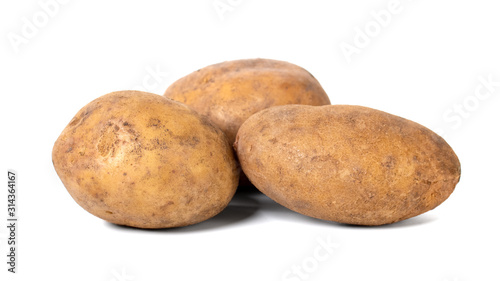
(106, 141)
(389, 162)
(116, 162)
(193, 141)
(154, 122)
(273, 140)
(376, 168)
(324, 158)
(74, 121)
(166, 205)
(302, 204)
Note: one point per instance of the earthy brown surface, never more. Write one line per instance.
(230, 92)
(348, 164)
(142, 160)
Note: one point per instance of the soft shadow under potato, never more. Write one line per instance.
(239, 209)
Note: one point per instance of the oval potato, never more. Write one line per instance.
(230, 92)
(142, 160)
(348, 164)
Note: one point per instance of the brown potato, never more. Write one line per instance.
(348, 164)
(142, 160)
(230, 92)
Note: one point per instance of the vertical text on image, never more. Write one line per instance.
(12, 224)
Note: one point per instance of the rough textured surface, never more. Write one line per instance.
(348, 164)
(230, 92)
(142, 160)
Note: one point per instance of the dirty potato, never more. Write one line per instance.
(230, 92)
(142, 160)
(348, 164)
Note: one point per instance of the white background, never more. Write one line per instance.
(424, 64)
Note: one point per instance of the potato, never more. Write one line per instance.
(230, 92)
(142, 160)
(348, 164)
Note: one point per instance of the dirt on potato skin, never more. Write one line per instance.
(228, 93)
(348, 164)
(142, 160)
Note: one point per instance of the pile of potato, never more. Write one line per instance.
(149, 161)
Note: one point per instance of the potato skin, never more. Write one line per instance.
(230, 92)
(142, 160)
(348, 164)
